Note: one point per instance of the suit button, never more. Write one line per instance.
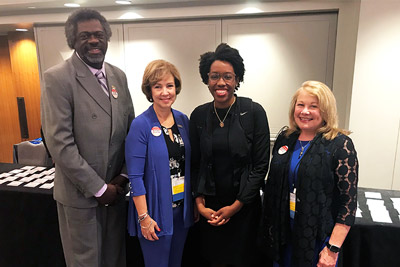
(109, 166)
(94, 116)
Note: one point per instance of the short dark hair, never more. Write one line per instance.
(155, 71)
(84, 14)
(223, 53)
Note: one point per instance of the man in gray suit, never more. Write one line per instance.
(86, 111)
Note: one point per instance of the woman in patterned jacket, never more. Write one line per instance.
(311, 192)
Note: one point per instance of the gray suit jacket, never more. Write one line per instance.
(84, 130)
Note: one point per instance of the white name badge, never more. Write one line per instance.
(292, 204)
(178, 187)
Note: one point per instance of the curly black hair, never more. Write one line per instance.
(84, 14)
(223, 53)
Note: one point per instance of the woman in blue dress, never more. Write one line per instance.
(158, 161)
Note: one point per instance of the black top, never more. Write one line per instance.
(244, 140)
(326, 194)
(230, 163)
(222, 163)
(176, 152)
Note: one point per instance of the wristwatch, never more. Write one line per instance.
(332, 248)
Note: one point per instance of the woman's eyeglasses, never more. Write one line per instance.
(227, 76)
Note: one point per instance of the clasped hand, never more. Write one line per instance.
(219, 217)
(114, 192)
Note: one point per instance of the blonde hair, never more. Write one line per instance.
(155, 71)
(327, 106)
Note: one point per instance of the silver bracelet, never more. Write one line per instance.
(143, 217)
(143, 214)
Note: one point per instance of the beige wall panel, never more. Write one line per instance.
(280, 53)
(180, 43)
(375, 109)
(396, 172)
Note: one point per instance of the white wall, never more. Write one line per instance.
(345, 42)
(370, 108)
(280, 52)
(179, 42)
(375, 108)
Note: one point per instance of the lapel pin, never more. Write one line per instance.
(283, 150)
(156, 131)
(114, 92)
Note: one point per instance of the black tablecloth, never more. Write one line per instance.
(371, 243)
(28, 226)
(29, 232)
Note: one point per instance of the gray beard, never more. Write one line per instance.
(95, 59)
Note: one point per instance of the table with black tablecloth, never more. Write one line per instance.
(28, 226)
(30, 237)
(29, 234)
(372, 243)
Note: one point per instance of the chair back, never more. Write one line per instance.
(27, 153)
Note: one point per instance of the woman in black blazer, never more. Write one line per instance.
(230, 154)
(311, 192)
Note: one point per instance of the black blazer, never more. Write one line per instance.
(326, 193)
(249, 150)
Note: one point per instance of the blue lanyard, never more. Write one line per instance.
(298, 153)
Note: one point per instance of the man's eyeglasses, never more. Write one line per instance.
(227, 76)
(83, 36)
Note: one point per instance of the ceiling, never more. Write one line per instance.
(23, 5)
(16, 7)
(26, 7)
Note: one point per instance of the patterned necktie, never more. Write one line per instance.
(102, 81)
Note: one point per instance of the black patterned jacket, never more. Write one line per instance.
(326, 193)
